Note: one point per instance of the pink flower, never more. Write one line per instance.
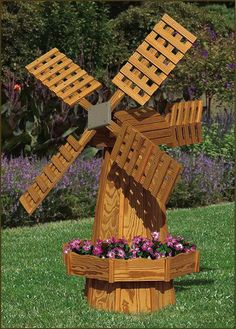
(87, 245)
(155, 236)
(137, 239)
(97, 250)
(157, 255)
(120, 252)
(75, 244)
(178, 246)
(133, 253)
(111, 254)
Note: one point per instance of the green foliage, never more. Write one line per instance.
(34, 121)
(214, 144)
(207, 67)
(23, 27)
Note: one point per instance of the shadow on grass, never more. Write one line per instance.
(187, 284)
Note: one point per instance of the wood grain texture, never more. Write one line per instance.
(54, 171)
(130, 297)
(139, 269)
(185, 120)
(154, 59)
(138, 163)
(63, 77)
(150, 123)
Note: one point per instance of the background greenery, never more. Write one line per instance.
(100, 37)
(36, 292)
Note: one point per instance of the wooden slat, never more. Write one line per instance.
(51, 52)
(161, 172)
(74, 143)
(143, 163)
(94, 85)
(147, 164)
(183, 47)
(140, 140)
(65, 153)
(174, 58)
(67, 80)
(41, 184)
(144, 69)
(49, 173)
(49, 178)
(129, 91)
(50, 73)
(177, 27)
(126, 70)
(64, 73)
(59, 56)
(57, 163)
(157, 156)
(142, 49)
(63, 85)
(126, 150)
(34, 195)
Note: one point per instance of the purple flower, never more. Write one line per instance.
(204, 53)
(231, 66)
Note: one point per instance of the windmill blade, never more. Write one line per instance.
(148, 122)
(54, 171)
(156, 171)
(153, 61)
(185, 120)
(64, 78)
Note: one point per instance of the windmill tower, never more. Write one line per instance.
(137, 177)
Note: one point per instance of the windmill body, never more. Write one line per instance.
(137, 177)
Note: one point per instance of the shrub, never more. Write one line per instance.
(203, 181)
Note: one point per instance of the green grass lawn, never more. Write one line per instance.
(37, 293)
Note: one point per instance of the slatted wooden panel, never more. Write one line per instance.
(149, 122)
(185, 119)
(154, 59)
(146, 163)
(63, 77)
(53, 171)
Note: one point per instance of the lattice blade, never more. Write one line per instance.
(146, 163)
(154, 59)
(63, 77)
(54, 171)
(185, 120)
(147, 121)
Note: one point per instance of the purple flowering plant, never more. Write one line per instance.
(140, 247)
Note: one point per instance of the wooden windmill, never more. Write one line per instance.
(137, 177)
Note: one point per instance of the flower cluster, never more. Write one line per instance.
(140, 247)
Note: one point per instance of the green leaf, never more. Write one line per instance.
(69, 131)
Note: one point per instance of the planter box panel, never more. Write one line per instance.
(90, 266)
(120, 270)
(183, 264)
(138, 270)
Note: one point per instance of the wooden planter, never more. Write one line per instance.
(140, 269)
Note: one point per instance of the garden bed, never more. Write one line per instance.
(139, 269)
